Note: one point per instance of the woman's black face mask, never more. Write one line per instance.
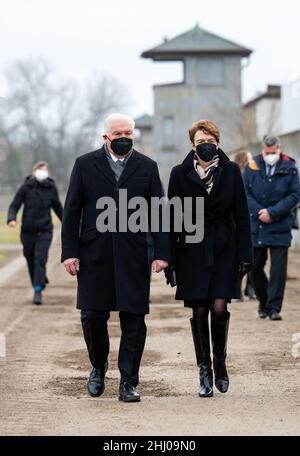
(206, 151)
(121, 146)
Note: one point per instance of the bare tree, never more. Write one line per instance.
(44, 118)
(103, 95)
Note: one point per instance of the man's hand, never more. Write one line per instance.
(159, 265)
(12, 224)
(72, 265)
(264, 216)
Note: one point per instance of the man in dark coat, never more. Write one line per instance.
(112, 267)
(39, 195)
(272, 186)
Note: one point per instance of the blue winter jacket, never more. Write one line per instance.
(279, 194)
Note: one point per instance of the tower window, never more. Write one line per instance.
(168, 132)
(210, 71)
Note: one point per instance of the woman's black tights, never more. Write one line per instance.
(218, 308)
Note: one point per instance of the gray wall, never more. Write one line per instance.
(144, 142)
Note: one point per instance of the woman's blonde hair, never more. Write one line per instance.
(241, 158)
(39, 164)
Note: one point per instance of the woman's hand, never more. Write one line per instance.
(170, 275)
(12, 224)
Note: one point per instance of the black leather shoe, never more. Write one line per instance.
(274, 316)
(128, 393)
(262, 313)
(96, 382)
(37, 298)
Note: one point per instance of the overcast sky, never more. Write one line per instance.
(79, 36)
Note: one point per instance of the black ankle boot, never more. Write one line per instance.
(200, 333)
(37, 298)
(219, 333)
(249, 291)
(262, 311)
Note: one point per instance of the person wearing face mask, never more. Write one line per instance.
(38, 195)
(208, 273)
(273, 191)
(112, 267)
(242, 159)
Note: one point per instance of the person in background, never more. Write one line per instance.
(273, 190)
(39, 195)
(290, 275)
(242, 159)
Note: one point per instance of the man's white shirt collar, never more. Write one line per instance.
(115, 159)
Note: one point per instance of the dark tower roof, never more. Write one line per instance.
(144, 122)
(196, 41)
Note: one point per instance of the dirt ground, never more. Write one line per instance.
(43, 376)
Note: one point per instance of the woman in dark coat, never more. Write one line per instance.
(208, 273)
(39, 195)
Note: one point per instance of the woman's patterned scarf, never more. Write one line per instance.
(208, 174)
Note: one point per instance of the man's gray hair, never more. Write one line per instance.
(117, 116)
(270, 140)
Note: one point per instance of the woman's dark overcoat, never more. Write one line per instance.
(210, 269)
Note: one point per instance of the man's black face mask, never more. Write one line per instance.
(206, 151)
(121, 146)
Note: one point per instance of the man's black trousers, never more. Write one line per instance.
(270, 292)
(35, 249)
(132, 342)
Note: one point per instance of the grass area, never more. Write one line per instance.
(2, 258)
(12, 235)
(7, 234)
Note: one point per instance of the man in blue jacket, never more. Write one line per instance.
(272, 186)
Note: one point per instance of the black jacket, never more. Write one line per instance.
(114, 269)
(38, 199)
(209, 269)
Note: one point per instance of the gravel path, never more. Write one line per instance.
(43, 376)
